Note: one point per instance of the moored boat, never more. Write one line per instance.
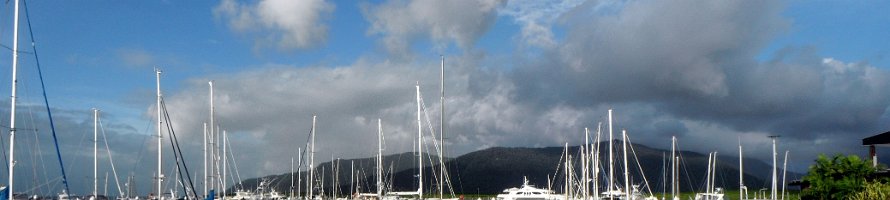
(528, 192)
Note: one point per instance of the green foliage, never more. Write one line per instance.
(838, 177)
(873, 190)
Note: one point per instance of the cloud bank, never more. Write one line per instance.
(278, 23)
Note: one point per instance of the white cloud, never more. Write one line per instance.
(283, 24)
(537, 19)
(461, 22)
(136, 58)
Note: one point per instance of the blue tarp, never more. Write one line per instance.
(4, 193)
(209, 195)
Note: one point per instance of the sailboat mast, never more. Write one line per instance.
(205, 160)
(419, 147)
(95, 151)
(586, 163)
(442, 130)
(225, 138)
(312, 159)
(566, 171)
(596, 161)
(773, 195)
(351, 178)
(15, 59)
(611, 162)
(673, 169)
(212, 143)
(708, 179)
(335, 170)
(300, 170)
(741, 172)
(160, 137)
(379, 159)
(626, 171)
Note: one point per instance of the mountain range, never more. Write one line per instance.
(492, 170)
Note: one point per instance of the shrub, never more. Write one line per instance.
(839, 177)
(873, 190)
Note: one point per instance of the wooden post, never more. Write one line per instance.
(873, 154)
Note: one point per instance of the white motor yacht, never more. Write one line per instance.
(528, 192)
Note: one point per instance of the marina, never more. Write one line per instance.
(343, 100)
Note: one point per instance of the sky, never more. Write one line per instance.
(517, 74)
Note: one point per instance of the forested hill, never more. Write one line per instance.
(492, 170)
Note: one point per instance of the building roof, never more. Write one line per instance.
(883, 138)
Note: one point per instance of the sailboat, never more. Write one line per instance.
(630, 191)
(711, 191)
(743, 190)
(379, 167)
(419, 193)
(95, 194)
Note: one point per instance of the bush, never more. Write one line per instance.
(837, 178)
(873, 190)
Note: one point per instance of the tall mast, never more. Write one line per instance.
(225, 143)
(292, 178)
(773, 195)
(15, 59)
(160, 137)
(708, 179)
(611, 162)
(419, 147)
(741, 172)
(213, 144)
(673, 169)
(586, 163)
(205, 160)
(95, 151)
(596, 161)
(312, 159)
(379, 159)
(566, 171)
(442, 130)
(626, 171)
(335, 170)
(351, 178)
(300, 170)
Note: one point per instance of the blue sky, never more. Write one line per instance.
(520, 73)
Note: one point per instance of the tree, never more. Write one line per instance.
(839, 177)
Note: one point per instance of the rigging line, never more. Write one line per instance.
(637, 159)
(685, 168)
(226, 157)
(178, 151)
(10, 49)
(45, 99)
(5, 159)
(558, 165)
(111, 159)
(19, 129)
(237, 174)
(146, 138)
(438, 146)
